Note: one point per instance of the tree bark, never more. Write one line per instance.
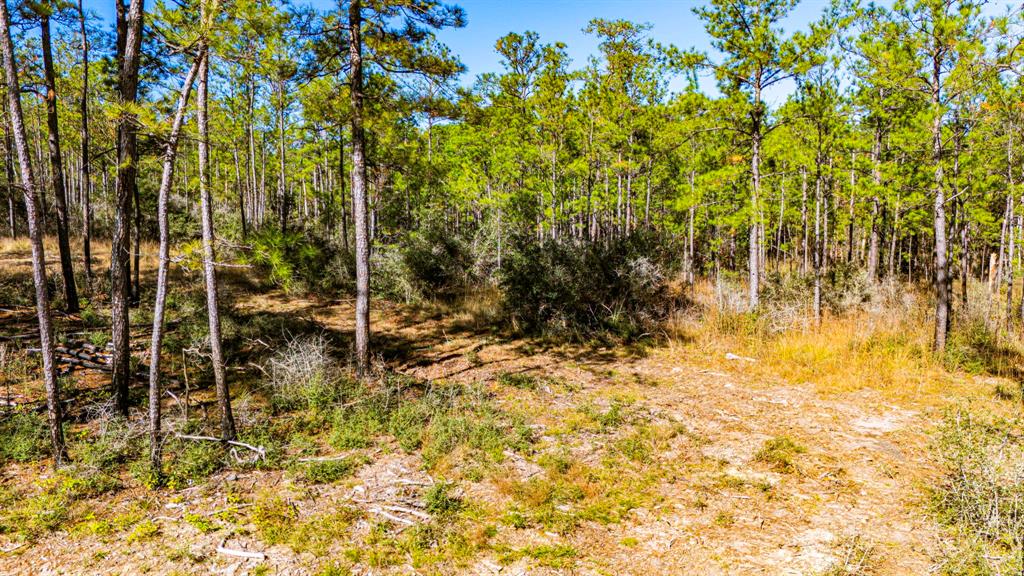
(86, 174)
(129, 41)
(939, 193)
(359, 204)
(35, 232)
(166, 181)
(57, 164)
(227, 422)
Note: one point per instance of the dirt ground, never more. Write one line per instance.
(717, 507)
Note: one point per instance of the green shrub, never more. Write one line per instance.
(619, 287)
(23, 436)
(299, 262)
(439, 262)
(193, 461)
(440, 500)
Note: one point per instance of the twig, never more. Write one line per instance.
(240, 553)
(257, 449)
(416, 513)
(392, 517)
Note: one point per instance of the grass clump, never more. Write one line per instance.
(329, 471)
(779, 452)
(546, 555)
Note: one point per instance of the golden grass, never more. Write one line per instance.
(884, 350)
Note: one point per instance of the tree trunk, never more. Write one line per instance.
(35, 233)
(227, 422)
(819, 243)
(57, 165)
(129, 40)
(282, 181)
(166, 180)
(804, 249)
(359, 190)
(86, 175)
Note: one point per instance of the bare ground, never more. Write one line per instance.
(716, 508)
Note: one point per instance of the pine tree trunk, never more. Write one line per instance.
(57, 166)
(227, 422)
(282, 192)
(166, 181)
(359, 203)
(129, 39)
(35, 232)
(86, 175)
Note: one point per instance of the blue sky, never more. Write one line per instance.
(672, 21)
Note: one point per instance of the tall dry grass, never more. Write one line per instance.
(883, 343)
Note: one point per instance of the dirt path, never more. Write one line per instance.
(856, 484)
(860, 483)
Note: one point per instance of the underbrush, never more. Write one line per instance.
(884, 345)
(621, 287)
(981, 493)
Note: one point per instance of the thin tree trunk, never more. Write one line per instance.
(359, 190)
(227, 422)
(86, 175)
(166, 180)
(283, 196)
(35, 232)
(57, 165)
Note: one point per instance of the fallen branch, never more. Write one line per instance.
(240, 553)
(257, 449)
(392, 517)
(416, 513)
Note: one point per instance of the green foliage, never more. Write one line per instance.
(24, 436)
(443, 422)
(298, 262)
(440, 500)
(192, 461)
(439, 263)
(620, 287)
(328, 471)
(779, 452)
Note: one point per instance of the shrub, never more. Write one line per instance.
(302, 374)
(440, 501)
(193, 461)
(439, 262)
(982, 489)
(23, 436)
(565, 288)
(298, 262)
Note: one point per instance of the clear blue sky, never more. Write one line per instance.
(673, 22)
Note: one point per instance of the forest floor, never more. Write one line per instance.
(702, 453)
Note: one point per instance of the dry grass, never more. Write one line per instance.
(880, 348)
